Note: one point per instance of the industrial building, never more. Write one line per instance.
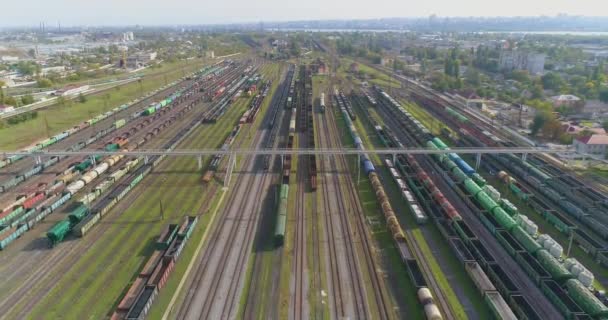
(594, 144)
(140, 59)
(510, 60)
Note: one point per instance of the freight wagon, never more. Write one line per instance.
(281, 220)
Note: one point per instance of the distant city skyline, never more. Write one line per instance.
(191, 12)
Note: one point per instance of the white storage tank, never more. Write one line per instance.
(89, 176)
(521, 220)
(432, 312)
(394, 173)
(100, 169)
(576, 270)
(556, 250)
(401, 184)
(542, 238)
(75, 186)
(408, 196)
(548, 243)
(425, 296)
(586, 278)
(568, 263)
(531, 228)
(493, 193)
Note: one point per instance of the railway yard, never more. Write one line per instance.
(371, 236)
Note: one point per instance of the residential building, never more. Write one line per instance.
(595, 106)
(576, 129)
(569, 101)
(594, 145)
(510, 60)
(387, 62)
(128, 36)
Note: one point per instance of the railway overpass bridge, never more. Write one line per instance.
(40, 155)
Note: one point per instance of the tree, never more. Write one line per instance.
(11, 101)
(604, 94)
(473, 77)
(605, 125)
(537, 124)
(294, 49)
(82, 98)
(45, 83)
(61, 100)
(537, 92)
(520, 75)
(540, 105)
(27, 68)
(552, 81)
(27, 99)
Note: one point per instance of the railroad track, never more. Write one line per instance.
(299, 259)
(346, 289)
(57, 259)
(299, 307)
(527, 288)
(25, 164)
(380, 295)
(444, 305)
(56, 256)
(48, 175)
(122, 206)
(274, 123)
(221, 243)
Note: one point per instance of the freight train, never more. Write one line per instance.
(20, 217)
(217, 159)
(566, 193)
(281, 219)
(136, 302)
(561, 198)
(20, 178)
(83, 216)
(61, 136)
(322, 103)
(425, 297)
(504, 221)
(445, 217)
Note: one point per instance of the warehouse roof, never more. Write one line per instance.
(596, 139)
(565, 97)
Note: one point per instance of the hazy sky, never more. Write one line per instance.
(128, 12)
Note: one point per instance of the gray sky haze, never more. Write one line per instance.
(153, 12)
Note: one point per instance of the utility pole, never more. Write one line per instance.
(47, 128)
(162, 212)
(570, 243)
